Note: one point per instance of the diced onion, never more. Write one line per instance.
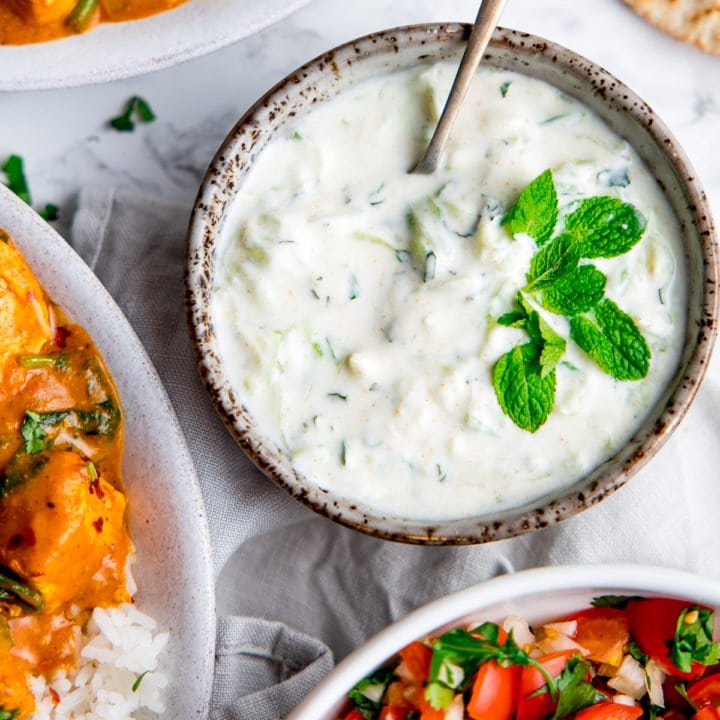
(630, 678)
(624, 700)
(568, 628)
(520, 630)
(654, 677)
(456, 711)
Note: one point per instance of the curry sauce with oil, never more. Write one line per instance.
(31, 21)
(64, 542)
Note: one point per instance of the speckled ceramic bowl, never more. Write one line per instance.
(537, 595)
(325, 77)
(166, 513)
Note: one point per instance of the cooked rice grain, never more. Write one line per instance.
(117, 646)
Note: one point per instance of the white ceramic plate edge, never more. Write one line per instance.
(126, 49)
(439, 613)
(188, 615)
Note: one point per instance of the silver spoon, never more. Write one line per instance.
(486, 21)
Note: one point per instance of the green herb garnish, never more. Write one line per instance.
(16, 182)
(50, 212)
(36, 427)
(524, 378)
(693, 641)
(459, 653)
(504, 88)
(536, 210)
(81, 15)
(8, 714)
(135, 107)
(138, 680)
(614, 601)
(14, 585)
(575, 691)
(368, 693)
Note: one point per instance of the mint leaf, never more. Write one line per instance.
(16, 182)
(605, 226)
(515, 319)
(615, 343)
(577, 292)
(551, 345)
(536, 210)
(693, 641)
(551, 355)
(135, 106)
(553, 261)
(525, 396)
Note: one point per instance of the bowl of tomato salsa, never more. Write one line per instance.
(602, 642)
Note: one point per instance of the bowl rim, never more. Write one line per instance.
(450, 609)
(206, 221)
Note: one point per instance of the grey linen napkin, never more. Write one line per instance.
(294, 590)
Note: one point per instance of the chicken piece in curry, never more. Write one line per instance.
(63, 534)
(30, 21)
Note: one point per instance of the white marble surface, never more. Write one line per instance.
(64, 137)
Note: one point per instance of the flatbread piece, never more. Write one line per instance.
(695, 21)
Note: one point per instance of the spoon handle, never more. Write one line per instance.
(486, 21)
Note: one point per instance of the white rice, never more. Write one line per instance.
(117, 647)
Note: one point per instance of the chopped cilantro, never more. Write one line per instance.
(136, 107)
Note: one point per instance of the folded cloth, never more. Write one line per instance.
(295, 590)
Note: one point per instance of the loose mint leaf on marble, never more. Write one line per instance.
(525, 396)
(577, 292)
(536, 210)
(136, 107)
(605, 227)
(15, 174)
(553, 261)
(613, 340)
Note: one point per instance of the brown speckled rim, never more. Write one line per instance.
(320, 80)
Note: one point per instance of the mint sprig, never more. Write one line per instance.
(558, 282)
(536, 210)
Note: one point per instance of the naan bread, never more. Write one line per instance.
(695, 21)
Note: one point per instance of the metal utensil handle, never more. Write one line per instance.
(485, 23)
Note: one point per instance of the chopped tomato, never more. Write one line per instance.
(652, 623)
(416, 657)
(531, 679)
(705, 691)
(610, 711)
(495, 691)
(428, 712)
(393, 712)
(354, 714)
(707, 712)
(604, 632)
(397, 694)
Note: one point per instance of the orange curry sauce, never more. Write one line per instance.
(63, 534)
(31, 21)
